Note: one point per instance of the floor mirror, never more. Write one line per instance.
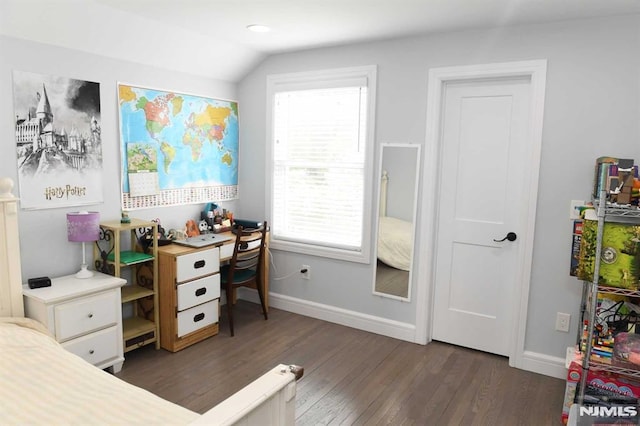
(398, 171)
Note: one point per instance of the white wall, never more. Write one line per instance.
(592, 109)
(43, 240)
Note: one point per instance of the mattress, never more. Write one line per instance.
(42, 383)
(394, 242)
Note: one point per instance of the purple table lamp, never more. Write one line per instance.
(83, 227)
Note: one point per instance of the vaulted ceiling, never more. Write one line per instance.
(209, 37)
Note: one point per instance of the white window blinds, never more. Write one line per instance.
(319, 141)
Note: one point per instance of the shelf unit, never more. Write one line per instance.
(143, 327)
(605, 212)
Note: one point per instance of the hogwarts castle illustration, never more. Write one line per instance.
(43, 148)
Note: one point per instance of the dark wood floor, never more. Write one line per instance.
(351, 376)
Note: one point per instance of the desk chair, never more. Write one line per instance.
(244, 267)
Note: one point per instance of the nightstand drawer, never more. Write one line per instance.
(197, 264)
(97, 347)
(199, 291)
(85, 315)
(197, 317)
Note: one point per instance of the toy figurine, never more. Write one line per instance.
(192, 228)
(125, 218)
(203, 226)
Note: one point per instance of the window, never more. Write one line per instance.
(321, 149)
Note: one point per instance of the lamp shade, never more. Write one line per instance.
(83, 226)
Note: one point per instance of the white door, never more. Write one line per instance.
(483, 169)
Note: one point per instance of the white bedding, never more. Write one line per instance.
(43, 384)
(394, 242)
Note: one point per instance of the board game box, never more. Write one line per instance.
(620, 254)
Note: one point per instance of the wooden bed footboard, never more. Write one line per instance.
(268, 400)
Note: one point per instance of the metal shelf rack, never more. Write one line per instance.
(605, 212)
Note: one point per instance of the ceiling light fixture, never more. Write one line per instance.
(257, 28)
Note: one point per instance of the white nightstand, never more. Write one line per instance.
(84, 315)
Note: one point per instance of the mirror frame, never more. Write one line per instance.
(412, 266)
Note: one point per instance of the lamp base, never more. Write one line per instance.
(84, 272)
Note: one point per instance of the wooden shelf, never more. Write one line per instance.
(142, 327)
(129, 257)
(136, 327)
(129, 293)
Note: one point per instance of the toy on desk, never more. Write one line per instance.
(146, 239)
(204, 226)
(223, 226)
(176, 234)
(125, 218)
(192, 229)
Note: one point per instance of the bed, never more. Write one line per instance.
(395, 236)
(42, 383)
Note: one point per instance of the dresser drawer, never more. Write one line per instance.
(226, 250)
(198, 291)
(85, 315)
(97, 347)
(197, 264)
(197, 317)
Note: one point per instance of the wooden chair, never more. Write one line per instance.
(244, 267)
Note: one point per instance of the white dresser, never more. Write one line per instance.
(84, 315)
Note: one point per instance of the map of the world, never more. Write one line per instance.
(195, 141)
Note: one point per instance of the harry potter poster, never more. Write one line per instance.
(58, 143)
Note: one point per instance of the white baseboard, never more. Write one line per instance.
(531, 361)
(544, 364)
(360, 321)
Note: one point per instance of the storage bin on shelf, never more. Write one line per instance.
(599, 383)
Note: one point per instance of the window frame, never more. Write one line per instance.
(321, 79)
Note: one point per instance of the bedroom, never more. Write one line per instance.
(592, 106)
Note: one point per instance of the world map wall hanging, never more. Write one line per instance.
(176, 148)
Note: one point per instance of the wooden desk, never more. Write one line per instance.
(183, 324)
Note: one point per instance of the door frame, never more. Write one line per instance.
(438, 77)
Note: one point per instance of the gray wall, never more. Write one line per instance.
(43, 235)
(592, 109)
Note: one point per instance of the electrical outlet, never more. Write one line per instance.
(305, 270)
(562, 322)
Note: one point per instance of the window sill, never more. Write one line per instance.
(321, 251)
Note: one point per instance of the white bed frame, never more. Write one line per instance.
(269, 400)
(384, 184)
(10, 269)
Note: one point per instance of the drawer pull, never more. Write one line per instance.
(201, 291)
(90, 315)
(199, 264)
(91, 351)
(198, 317)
